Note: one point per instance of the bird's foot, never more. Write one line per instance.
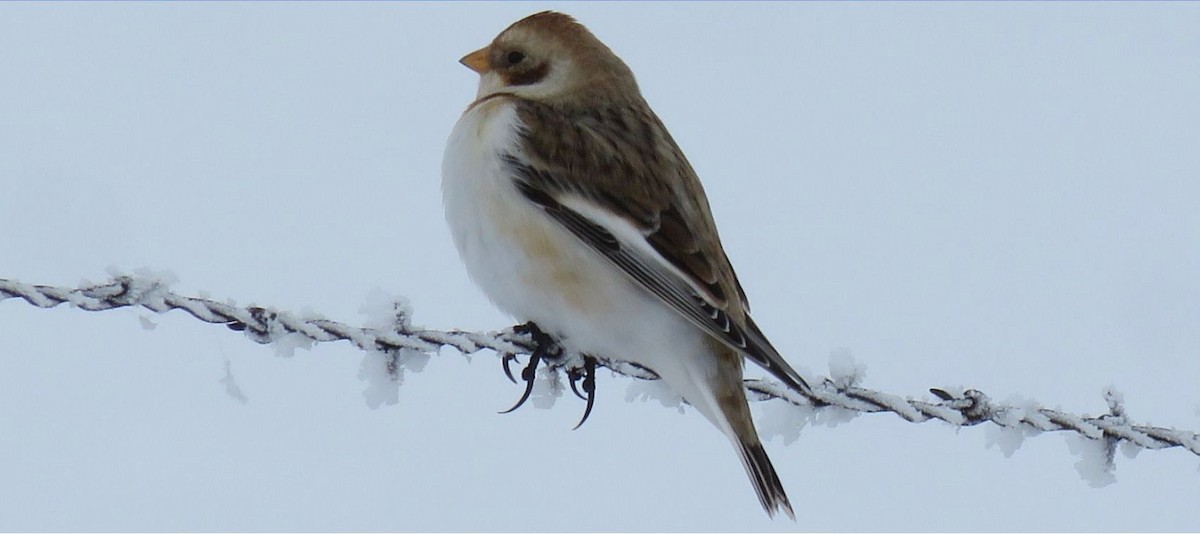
(544, 346)
(527, 374)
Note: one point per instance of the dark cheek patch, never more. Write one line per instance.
(527, 77)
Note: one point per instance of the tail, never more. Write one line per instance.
(721, 397)
(762, 475)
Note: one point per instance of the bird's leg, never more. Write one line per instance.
(531, 329)
(544, 346)
(589, 386)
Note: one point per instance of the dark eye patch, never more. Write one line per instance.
(526, 75)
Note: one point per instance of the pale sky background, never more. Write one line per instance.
(998, 196)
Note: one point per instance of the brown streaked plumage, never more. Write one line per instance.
(591, 154)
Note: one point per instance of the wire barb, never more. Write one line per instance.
(265, 325)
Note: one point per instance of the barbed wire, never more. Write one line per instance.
(264, 325)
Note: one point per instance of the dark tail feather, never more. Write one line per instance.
(766, 482)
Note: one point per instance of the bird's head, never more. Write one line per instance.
(551, 58)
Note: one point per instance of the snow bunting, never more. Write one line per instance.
(573, 208)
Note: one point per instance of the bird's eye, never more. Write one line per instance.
(515, 57)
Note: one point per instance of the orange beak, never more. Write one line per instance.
(478, 60)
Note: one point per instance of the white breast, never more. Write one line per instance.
(526, 264)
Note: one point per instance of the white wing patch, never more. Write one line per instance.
(632, 238)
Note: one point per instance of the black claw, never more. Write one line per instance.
(589, 387)
(586, 412)
(508, 358)
(527, 374)
(575, 376)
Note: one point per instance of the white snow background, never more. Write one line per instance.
(997, 196)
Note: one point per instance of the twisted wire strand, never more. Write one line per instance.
(264, 325)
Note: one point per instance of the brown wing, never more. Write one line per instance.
(623, 161)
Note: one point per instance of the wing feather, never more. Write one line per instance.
(621, 160)
(681, 285)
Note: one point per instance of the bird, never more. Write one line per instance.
(573, 208)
